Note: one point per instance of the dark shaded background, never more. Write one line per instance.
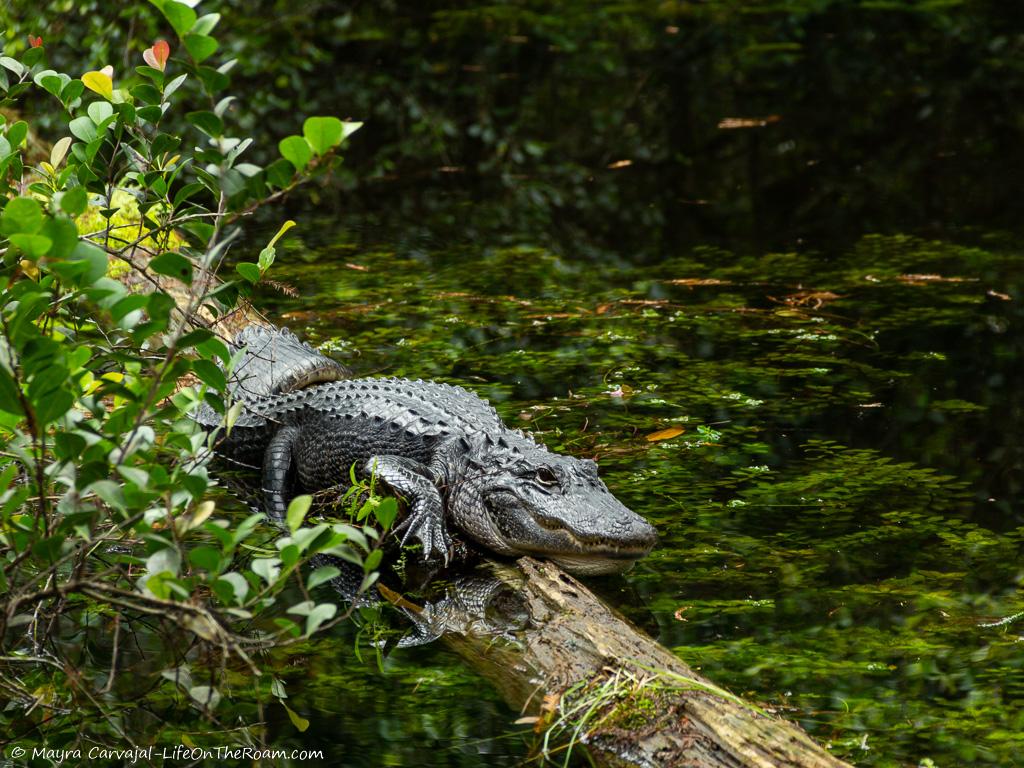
(521, 117)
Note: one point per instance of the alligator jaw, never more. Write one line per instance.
(593, 565)
(583, 561)
(517, 532)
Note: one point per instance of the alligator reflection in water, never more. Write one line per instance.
(484, 601)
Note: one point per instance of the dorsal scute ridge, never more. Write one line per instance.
(280, 374)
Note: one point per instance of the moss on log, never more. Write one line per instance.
(592, 679)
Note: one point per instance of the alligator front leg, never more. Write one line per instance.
(413, 480)
(277, 466)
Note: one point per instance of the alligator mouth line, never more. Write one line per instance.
(579, 549)
(623, 557)
(580, 553)
(592, 565)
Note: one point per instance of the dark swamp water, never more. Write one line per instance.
(761, 261)
(823, 310)
(827, 443)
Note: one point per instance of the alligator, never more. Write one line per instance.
(439, 446)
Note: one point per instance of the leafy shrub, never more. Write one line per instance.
(111, 248)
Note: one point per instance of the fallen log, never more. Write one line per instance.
(591, 679)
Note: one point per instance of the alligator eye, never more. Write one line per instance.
(546, 477)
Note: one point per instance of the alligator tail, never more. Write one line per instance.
(276, 361)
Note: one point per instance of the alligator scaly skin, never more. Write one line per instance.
(448, 453)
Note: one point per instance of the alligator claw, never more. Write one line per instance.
(414, 481)
(429, 531)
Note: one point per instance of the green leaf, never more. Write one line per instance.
(152, 73)
(9, 393)
(83, 128)
(204, 24)
(297, 510)
(280, 173)
(322, 133)
(94, 257)
(304, 538)
(164, 142)
(296, 150)
(48, 549)
(200, 47)
(321, 575)
(207, 122)
(180, 16)
(74, 201)
(150, 114)
(290, 555)
(213, 80)
(249, 271)
(231, 585)
(280, 233)
(125, 110)
(12, 64)
(174, 85)
(63, 236)
(205, 695)
(209, 374)
(100, 111)
(277, 686)
(59, 151)
(267, 568)
(348, 128)
(386, 512)
(320, 614)
(173, 265)
(195, 338)
(71, 91)
(50, 80)
(199, 229)
(302, 609)
(368, 581)
(288, 626)
(32, 56)
(128, 304)
(205, 557)
(22, 214)
(266, 259)
(146, 93)
(16, 134)
(373, 560)
(165, 560)
(109, 491)
(300, 723)
(186, 192)
(208, 349)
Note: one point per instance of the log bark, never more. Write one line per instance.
(555, 650)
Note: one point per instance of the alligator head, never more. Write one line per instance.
(517, 498)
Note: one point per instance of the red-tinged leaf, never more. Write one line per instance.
(35, 41)
(157, 56)
(664, 434)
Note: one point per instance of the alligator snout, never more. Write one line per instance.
(606, 529)
(643, 533)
